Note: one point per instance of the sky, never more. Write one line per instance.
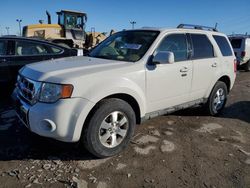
(232, 16)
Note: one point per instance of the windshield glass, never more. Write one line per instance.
(125, 46)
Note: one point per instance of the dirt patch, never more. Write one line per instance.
(218, 155)
(144, 151)
(209, 127)
(147, 139)
(90, 164)
(167, 146)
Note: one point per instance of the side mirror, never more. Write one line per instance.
(163, 57)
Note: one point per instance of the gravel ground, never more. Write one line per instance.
(184, 149)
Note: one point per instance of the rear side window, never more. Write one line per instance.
(236, 43)
(24, 48)
(56, 50)
(223, 45)
(176, 43)
(3, 47)
(202, 47)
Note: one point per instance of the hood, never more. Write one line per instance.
(68, 68)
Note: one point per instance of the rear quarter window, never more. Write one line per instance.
(202, 47)
(223, 44)
(236, 43)
(56, 50)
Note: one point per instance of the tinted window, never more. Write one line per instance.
(223, 45)
(201, 46)
(236, 43)
(177, 44)
(3, 48)
(55, 50)
(34, 48)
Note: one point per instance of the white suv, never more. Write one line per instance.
(241, 47)
(132, 76)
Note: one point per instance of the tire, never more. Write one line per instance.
(110, 128)
(217, 99)
(247, 66)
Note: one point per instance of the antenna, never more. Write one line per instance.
(216, 24)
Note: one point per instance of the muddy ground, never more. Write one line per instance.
(184, 149)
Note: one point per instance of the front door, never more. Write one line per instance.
(169, 84)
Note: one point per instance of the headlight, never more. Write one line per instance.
(52, 92)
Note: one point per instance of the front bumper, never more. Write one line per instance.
(62, 120)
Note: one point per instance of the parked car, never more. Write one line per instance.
(15, 52)
(241, 47)
(132, 76)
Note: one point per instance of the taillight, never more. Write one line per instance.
(243, 54)
(235, 66)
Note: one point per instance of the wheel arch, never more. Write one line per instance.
(227, 81)
(125, 97)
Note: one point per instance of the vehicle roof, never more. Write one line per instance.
(239, 36)
(13, 37)
(178, 29)
(72, 11)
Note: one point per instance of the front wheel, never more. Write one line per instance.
(110, 128)
(217, 99)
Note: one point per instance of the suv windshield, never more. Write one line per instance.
(236, 43)
(125, 46)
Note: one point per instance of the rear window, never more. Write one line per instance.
(236, 43)
(223, 45)
(202, 46)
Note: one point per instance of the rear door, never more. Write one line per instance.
(205, 65)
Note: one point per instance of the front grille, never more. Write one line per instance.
(28, 89)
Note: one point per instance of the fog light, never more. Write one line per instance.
(47, 125)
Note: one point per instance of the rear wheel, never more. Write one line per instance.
(110, 128)
(217, 99)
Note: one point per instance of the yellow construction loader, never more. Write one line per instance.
(70, 30)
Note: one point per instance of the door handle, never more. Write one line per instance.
(214, 65)
(184, 69)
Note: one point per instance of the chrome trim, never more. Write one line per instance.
(28, 89)
(22, 110)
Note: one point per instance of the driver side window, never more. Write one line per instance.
(176, 43)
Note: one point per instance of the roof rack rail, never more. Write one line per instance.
(200, 27)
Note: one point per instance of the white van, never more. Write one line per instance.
(241, 47)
